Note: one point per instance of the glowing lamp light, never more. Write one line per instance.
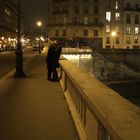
(2, 38)
(39, 23)
(113, 33)
(37, 38)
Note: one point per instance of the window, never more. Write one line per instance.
(76, 9)
(96, 21)
(117, 29)
(85, 32)
(117, 16)
(107, 28)
(76, 20)
(128, 18)
(137, 6)
(136, 40)
(116, 5)
(108, 4)
(128, 41)
(85, 9)
(96, 10)
(136, 19)
(117, 40)
(107, 40)
(56, 32)
(108, 16)
(85, 20)
(128, 6)
(96, 33)
(136, 30)
(64, 33)
(128, 30)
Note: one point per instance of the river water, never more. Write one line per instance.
(130, 91)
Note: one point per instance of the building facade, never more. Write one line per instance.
(95, 23)
(8, 22)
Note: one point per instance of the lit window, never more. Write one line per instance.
(107, 28)
(108, 16)
(136, 30)
(128, 30)
(117, 5)
(117, 16)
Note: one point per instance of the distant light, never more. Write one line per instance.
(37, 38)
(9, 39)
(42, 38)
(22, 40)
(39, 23)
(2, 38)
(113, 33)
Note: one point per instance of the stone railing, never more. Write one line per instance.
(98, 112)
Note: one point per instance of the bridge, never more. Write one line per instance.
(35, 109)
(98, 112)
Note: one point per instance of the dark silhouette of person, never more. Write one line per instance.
(52, 61)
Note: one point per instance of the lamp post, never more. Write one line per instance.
(19, 53)
(113, 34)
(39, 24)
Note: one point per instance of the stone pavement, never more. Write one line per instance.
(34, 108)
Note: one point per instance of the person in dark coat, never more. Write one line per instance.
(58, 51)
(52, 61)
(49, 61)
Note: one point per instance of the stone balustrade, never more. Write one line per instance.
(98, 112)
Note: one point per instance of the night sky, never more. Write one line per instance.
(33, 10)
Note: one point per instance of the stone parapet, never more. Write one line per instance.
(99, 113)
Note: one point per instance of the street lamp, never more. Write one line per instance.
(113, 34)
(19, 53)
(39, 24)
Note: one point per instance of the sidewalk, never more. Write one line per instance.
(34, 108)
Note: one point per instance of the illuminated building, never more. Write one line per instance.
(8, 20)
(78, 23)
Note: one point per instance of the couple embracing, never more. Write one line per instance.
(52, 61)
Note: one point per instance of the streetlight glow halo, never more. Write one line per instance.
(39, 23)
(113, 33)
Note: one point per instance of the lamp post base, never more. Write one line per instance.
(19, 64)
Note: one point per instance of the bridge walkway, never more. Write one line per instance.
(33, 108)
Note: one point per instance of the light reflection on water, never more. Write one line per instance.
(132, 91)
